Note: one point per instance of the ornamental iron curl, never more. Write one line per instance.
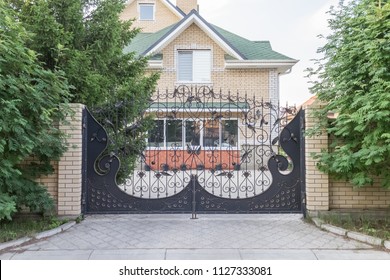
(204, 151)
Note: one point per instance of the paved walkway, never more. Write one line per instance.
(209, 237)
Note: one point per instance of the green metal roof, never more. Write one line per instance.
(144, 40)
(252, 50)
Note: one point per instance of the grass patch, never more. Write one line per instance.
(27, 226)
(377, 227)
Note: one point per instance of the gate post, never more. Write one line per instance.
(317, 182)
(302, 174)
(70, 165)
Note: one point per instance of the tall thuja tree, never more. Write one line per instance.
(354, 82)
(29, 103)
(86, 39)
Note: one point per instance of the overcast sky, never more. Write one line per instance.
(291, 26)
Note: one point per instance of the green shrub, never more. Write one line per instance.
(29, 100)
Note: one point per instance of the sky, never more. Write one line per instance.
(292, 27)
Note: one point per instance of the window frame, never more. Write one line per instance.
(146, 4)
(201, 136)
(194, 65)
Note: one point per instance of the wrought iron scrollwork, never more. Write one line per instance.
(243, 153)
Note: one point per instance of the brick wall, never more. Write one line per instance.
(65, 184)
(163, 16)
(317, 182)
(51, 182)
(324, 193)
(70, 166)
(344, 196)
(187, 5)
(253, 82)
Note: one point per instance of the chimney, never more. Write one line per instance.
(187, 5)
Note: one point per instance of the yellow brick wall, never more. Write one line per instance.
(187, 5)
(65, 184)
(163, 16)
(317, 182)
(51, 182)
(325, 193)
(344, 196)
(253, 82)
(70, 166)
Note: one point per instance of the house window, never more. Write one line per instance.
(157, 134)
(194, 66)
(174, 133)
(183, 133)
(192, 132)
(146, 11)
(211, 133)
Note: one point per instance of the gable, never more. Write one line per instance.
(238, 52)
(194, 18)
(193, 38)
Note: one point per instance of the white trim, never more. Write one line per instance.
(184, 25)
(146, 3)
(155, 64)
(281, 65)
(169, 6)
(210, 84)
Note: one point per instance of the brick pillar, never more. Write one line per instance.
(70, 166)
(317, 182)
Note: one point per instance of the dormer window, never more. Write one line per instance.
(146, 11)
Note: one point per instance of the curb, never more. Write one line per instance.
(37, 236)
(365, 238)
(352, 234)
(14, 243)
(334, 229)
(318, 222)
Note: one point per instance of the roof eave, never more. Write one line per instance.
(282, 66)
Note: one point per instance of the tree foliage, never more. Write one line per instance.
(29, 102)
(86, 39)
(354, 82)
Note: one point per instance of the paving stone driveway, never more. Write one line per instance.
(209, 237)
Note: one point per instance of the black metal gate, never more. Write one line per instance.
(204, 152)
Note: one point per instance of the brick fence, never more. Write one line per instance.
(322, 193)
(64, 185)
